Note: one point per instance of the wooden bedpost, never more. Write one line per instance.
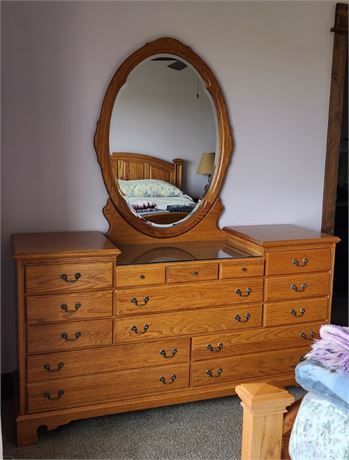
(264, 406)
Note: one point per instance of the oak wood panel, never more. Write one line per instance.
(139, 275)
(65, 307)
(191, 295)
(280, 287)
(296, 261)
(183, 273)
(96, 388)
(295, 312)
(187, 322)
(241, 268)
(105, 359)
(48, 337)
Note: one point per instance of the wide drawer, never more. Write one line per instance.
(295, 311)
(192, 295)
(68, 277)
(183, 273)
(92, 389)
(187, 322)
(139, 275)
(241, 269)
(298, 261)
(63, 307)
(297, 286)
(105, 359)
(66, 336)
(253, 340)
(246, 367)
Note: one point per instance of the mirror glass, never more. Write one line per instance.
(163, 139)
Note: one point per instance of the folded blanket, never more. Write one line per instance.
(143, 205)
(180, 208)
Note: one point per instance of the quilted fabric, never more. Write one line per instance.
(148, 188)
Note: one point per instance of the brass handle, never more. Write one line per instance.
(65, 336)
(217, 374)
(297, 315)
(195, 273)
(134, 329)
(305, 337)
(215, 350)
(60, 393)
(142, 277)
(297, 289)
(73, 310)
(165, 355)
(145, 301)
(247, 317)
(239, 292)
(244, 269)
(60, 366)
(300, 264)
(168, 382)
(65, 278)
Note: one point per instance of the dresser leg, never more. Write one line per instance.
(27, 432)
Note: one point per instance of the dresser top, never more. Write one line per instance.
(64, 244)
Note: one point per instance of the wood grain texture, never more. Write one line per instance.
(305, 261)
(182, 273)
(241, 268)
(295, 312)
(280, 287)
(139, 275)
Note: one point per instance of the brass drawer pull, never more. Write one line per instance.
(165, 355)
(297, 315)
(239, 292)
(215, 350)
(168, 382)
(305, 337)
(60, 366)
(297, 289)
(195, 273)
(247, 317)
(73, 310)
(244, 269)
(217, 374)
(145, 301)
(60, 393)
(142, 277)
(300, 264)
(65, 278)
(134, 329)
(66, 337)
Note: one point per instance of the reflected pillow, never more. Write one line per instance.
(148, 187)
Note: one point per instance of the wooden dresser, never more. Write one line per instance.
(105, 330)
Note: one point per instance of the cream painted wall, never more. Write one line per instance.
(273, 61)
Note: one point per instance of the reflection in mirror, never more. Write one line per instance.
(163, 112)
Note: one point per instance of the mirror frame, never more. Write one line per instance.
(164, 45)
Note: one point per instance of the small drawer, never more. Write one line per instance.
(68, 277)
(139, 275)
(64, 307)
(111, 386)
(241, 269)
(105, 359)
(67, 336)
(182, 273)
(298, 261)
(296, 311)
(297, 286)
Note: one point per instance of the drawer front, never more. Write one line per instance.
(297, 286)
(83, 362)
(139, 275)
(241, 269)
(183, 273)
(246, 367)
(296, 311)
(68, 277)
(220, 345)
(298, 261)
(66, 336)
(191, 295)
(65, 307)
(188, 322)
(92, 389)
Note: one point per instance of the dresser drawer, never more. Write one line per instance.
(297, 286)
(156, 326)
(183, 273)
(224, 344)
(66, 336)
(68, 277)
(192, 295)
(246, 367)
(296, 311)
(238, 268)
(64, 307)
(92, 389)
(104, 359)
(298, 261)
(139, 275)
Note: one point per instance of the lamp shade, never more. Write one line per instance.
(206, 164)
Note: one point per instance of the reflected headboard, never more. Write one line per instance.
(132, 166)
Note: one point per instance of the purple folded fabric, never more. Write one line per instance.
(332, 349)
(143, 205)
